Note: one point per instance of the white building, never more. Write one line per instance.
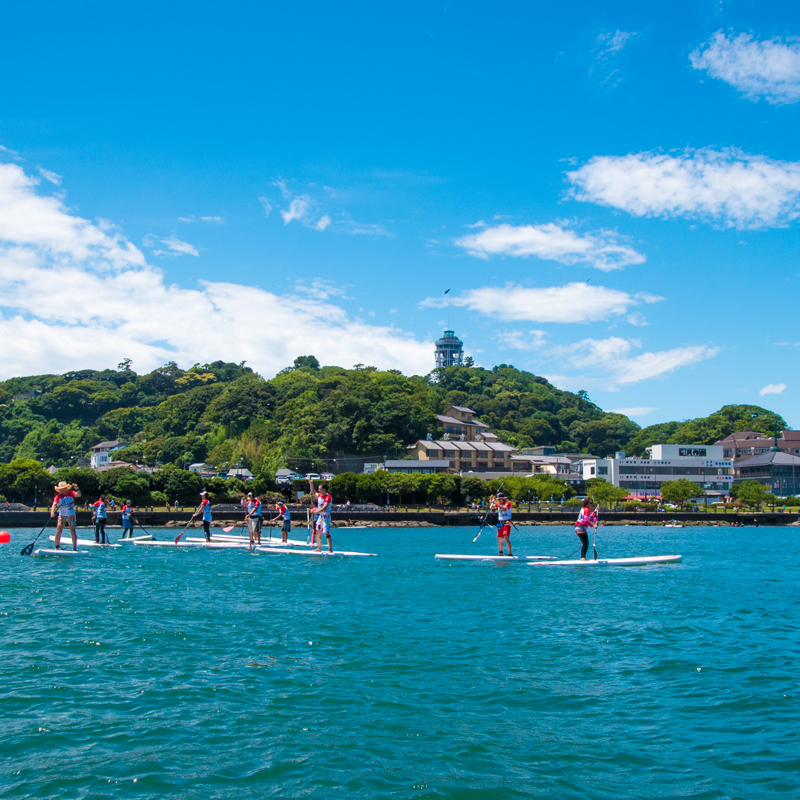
(100, 453)
(705, 465)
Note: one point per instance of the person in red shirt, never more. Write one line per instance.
(64, 501)
(503, 506)
(283, 514)
(322, 515)
(204, 510)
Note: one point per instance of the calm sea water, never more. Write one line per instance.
(215, 674)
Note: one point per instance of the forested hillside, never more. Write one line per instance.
(308, 415)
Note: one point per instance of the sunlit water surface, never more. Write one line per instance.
(215, 674)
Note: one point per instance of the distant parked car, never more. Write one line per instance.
(312, 476)
(328, 476)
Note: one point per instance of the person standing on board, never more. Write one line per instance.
(586, 519)
(503, 506)
(127, 520)
(205, 513)
(64, 501)
(283, 514)
(323, 512)
(254, 519)
(100, 518)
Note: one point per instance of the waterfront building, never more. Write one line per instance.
(747, 444)
(449, 351)
(411, 467)
(705, 465)
(778, 471)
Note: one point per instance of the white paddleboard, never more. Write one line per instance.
(45, 552)
(265, 542)
(520, 559)
(314, 552)
(203, 545)
(82, 542)
(612, 562)
(145, 538)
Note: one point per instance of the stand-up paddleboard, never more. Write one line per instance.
(639, 561)
(204, 545)
(518, 559)
(83, 542)
(314, 552)
(143, 538)
(265, 542)
(42, 551)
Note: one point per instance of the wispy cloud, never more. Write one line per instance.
(607, 50)
(298, 209)
(322, 223)
(266, 204)
(53, 177)
(610, 43)
(727, 187)
(773, 388)
(175, 247)
(768, 69)
(615, 359)
(573, 302)
(552, 242)
(521, 340)
(215, 220)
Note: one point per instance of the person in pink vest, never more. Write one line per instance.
(586, 518)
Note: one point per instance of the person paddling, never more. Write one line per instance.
(128, 520)
(204, 510)
(323, 513)
(100, 515)
(254, 519)
(64, 501)
(283, 514)
(503, 506)
(586, 518)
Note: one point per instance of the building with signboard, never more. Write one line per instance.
(642, 477)
(778, 471)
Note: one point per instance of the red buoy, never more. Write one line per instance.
(5, 537)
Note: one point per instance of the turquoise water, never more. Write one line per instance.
(216, 674)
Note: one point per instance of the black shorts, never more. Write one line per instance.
(287, 525)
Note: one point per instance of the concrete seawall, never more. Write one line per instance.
(36, 519)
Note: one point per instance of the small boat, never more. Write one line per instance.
(42, 551)
(638, 561)
(511, 559)
(311, 552)
(83, 542)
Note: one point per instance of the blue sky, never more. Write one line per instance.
(610, 192)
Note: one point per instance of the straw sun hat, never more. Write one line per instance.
(63, 486)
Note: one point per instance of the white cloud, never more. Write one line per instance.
(176, 247)
(768, 69)
(553, 243)
(53, 177)
(521, 340)
(215, 220)
(636, 411)
(613, 358)
(573, 302)
(729, 187)
(322, 223)
(613, 42)
(111, 304)
(267, 205)
(773, 388)
(638, 319)
(299, 209)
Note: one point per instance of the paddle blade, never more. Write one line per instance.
(27, 550)
(477, 535)
(228, 529)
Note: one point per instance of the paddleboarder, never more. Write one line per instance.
(323, 514)
(100, 515)
(64, 501)
(283, 514)
(128, 520)
(254, 519)
(503, 506)
(204, 510)
(586, 518)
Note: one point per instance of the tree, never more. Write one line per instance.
(22, 478)
(306, 362)
(680, 491)
(752, 493)
(601, 491)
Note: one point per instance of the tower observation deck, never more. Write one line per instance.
(449, 351)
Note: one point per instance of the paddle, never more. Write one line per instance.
(594, 544)
(28, 549)
(486, 516)
(191, 519)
